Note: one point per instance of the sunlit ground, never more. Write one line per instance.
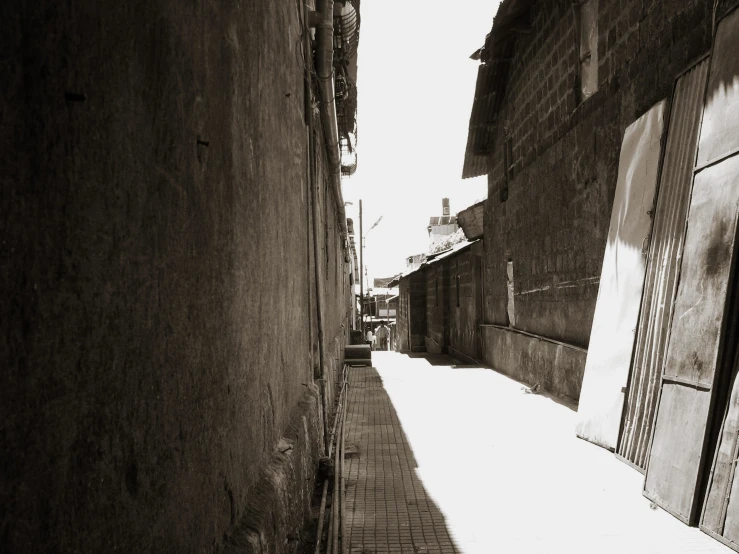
(509, 474)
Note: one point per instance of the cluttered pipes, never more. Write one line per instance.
(324, 22)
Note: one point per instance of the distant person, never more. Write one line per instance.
(383, 334)
(370, 338)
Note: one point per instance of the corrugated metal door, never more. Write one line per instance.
(663, 265)
(699, 342)
(622, 282)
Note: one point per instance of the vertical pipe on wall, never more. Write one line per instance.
(342, 476)
(314, 216)
(325, 75)
(318, 279)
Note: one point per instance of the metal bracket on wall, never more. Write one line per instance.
(312, 17)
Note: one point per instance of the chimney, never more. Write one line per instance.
(445, 206)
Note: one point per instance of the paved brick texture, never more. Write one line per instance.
(388, 509)
(450, 458)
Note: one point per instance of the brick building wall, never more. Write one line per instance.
(564, 153)
(160, 309)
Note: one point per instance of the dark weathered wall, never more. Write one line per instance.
(437, 306)
(554, 223)
(403, 320)
(465, 315)
(333, 272)
(429, 315)
(411, 321)
(157, 319)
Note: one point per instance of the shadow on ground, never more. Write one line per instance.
(388, 507)
(437, 359)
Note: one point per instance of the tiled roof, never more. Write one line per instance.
(443, 220)
(438, 256)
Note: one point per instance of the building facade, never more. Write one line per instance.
(608, 132)
(440, 303)
(176, 276)
(440, 227)
(558, 84)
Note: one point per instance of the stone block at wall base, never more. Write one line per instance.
(278, 507)
(418, 343)
(433, 347)
(556, 367)
(461, 356)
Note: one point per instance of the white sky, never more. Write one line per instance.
(415, 86)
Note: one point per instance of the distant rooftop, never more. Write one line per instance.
(443, 220)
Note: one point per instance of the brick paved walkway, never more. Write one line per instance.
(388, 509)
(452, 458)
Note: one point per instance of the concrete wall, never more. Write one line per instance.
(521, 356)
(159, 311)
(554, 223)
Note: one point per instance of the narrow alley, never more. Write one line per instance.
(430, 469)
(504, 320)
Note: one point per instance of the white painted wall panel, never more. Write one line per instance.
(622, 281)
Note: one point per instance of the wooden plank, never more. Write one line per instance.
(720, 132)
(622, 281)
(665, 253)
(672, 473)
(723, 472)
(719, 145)
(679, 443)
(731, 511)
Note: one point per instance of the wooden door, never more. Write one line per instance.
(700, 344)
(680, 430)
(622, 282)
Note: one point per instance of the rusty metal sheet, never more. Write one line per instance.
(677, 455)
(622, 281)
(665, 252)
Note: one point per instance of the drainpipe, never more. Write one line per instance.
(314, 219)
(361, 272)
(325, 73)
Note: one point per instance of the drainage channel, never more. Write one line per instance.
(332, 541)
